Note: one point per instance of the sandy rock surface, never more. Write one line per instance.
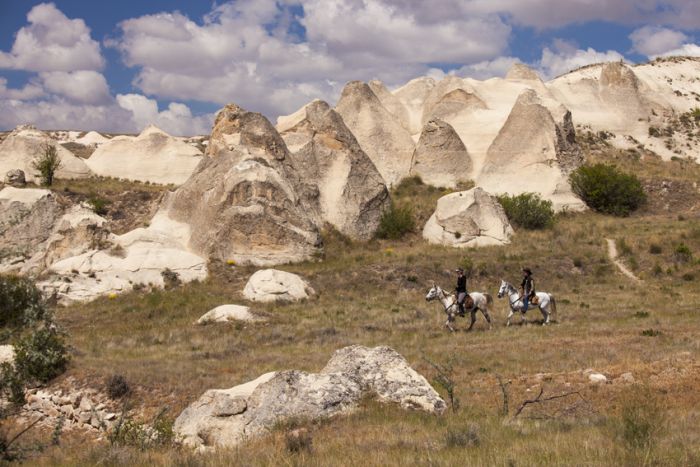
(271, 285)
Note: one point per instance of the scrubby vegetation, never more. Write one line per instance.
(396, 222)
(528, 210)
(606, 189)
(47, 163)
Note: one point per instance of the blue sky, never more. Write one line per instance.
(117, 66)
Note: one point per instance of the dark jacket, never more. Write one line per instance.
(461, 284)
(527, 285)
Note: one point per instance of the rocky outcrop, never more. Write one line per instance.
(470, 218)
(380, 134)
(24, 144)
(352, 193)
(153, 156)
(243, 202)
(226, 313)
(223, 418)
(533, 153)
(440, 157)
(413, 96)
(390, 103)
(15, 178)
(272, 285)
(454, 103)
(520, 71)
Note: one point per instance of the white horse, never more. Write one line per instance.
(449, 302)
(546, 304)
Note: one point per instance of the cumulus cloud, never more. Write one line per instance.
(52, 42)
(689, 50)
(565, 57)
(246, 51)
(83, 87)
(655, 40)
(177, 119)
(28, 91)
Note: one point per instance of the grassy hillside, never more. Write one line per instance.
(373, 294)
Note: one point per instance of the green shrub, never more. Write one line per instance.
(98, 205)
(47, 163)
(682, 254)
(641, 420)
(396, 222)
(117, 386)
(606, 189)
(41, 355)
(528, 210)
(655, 249)
(21, 303)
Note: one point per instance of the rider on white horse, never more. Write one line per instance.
(527, 288)
(461, 290)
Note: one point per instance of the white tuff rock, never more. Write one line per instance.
(467, 219)
(223, 418)
(271, 285)
(7, 354)
(226, 313)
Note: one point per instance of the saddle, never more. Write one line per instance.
(534, 300)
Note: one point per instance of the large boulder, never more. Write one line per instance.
(352, 193)
(470, 218)
(380, 134)
(440, 158)
(153, 156)
(25, 143)
(223, 418)
(243, 201)
(272, 285)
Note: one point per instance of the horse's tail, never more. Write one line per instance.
(554, 306)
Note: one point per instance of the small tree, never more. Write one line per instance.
(47, 164)
(606, 189)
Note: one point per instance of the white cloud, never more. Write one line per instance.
(52, 42)
(565, 58)
(177, 119)
(29, 91)
(83, 87)
(689, 50)
(232, 55)
(655, 40)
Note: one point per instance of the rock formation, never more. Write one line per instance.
(7, 354)
(470, 218)
(271, 285)
(153, 156)
(381, 136)
(223, 418)
(352, 193)
(15, 178)
(242, 202)
(533, 153)
(520, 71)
(25, 143)
(226, 313)
(440, 157)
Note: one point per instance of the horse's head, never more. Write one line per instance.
(433, 293)
(503, 289)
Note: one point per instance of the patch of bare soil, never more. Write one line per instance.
(671, 196)
(79, 150)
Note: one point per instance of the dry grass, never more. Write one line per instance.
(373, 294)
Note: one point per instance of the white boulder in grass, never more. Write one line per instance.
(271, 285)
(226, 313)
(469, 218)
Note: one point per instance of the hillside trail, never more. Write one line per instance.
(612, 252)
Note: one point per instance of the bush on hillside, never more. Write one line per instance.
(606, 189)
(20, 302)
(41, 355)
(528, 210)
(47, 163)
(396, 222)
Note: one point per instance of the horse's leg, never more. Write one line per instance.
(545, 313)
(450, 319)
(485, 312)
(510, 315)
(522, 316)
(472, 316)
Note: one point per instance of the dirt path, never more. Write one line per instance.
(612, 252)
